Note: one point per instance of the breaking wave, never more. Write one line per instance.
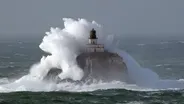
(64, 45)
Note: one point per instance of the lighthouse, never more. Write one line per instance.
(96, 63)
(93, 45)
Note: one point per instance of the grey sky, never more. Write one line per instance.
(117, 16)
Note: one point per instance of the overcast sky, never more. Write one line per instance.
(150, 17)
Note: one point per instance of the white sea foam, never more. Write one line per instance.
(181, 42)
(135, 102)
(165, 42)
(4, 80)
(140, 44)
(159, 65)
(64, 45)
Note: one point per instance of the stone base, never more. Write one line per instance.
(102, 65)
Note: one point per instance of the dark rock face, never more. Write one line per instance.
(104, 66)
(52, 75)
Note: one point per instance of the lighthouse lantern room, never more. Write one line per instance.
(93, 46)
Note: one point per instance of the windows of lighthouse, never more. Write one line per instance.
(92, 42)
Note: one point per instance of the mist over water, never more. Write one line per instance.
(63, 46)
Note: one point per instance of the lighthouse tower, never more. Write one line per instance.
(93, 46)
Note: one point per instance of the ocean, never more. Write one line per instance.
(164, 56)
(158, 74)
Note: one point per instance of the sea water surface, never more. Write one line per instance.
(163, 55)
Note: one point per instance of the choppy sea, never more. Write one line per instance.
(163, 55)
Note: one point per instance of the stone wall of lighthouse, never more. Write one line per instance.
(95, 48)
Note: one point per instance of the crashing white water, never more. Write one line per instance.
(64, 45)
